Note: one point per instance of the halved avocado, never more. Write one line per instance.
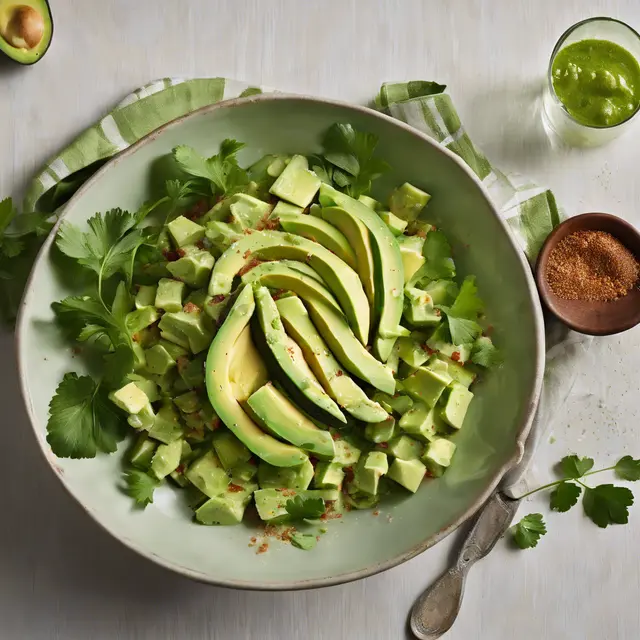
(221, 393)
(321, 232)
(275, 245)
(282, 418)
(26, 29)
(277, 275)
(337, 383)
(291, 371)
(389, 268)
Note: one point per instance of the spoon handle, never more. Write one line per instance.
(436, 609)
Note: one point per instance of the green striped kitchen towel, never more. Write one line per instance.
(529, 210)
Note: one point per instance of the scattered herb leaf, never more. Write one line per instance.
(574, 467)
(565, 496)
(529, 530)
(607, 504)
(140, 486)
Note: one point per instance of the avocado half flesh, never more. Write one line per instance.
(26, 29)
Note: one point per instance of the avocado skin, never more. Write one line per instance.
(27, 58)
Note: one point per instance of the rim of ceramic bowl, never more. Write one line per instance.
(340, 578)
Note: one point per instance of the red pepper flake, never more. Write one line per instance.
(230, 219)
(250, 265)
(383, 445)
(291, 352)
(339, 373)
(324, 516)
(428, 349)
(136, 337)
(217, 299)
(247, 232)
(216, 423)
(234, 488)
(437, 312)
(317, 538)
(246, 254)
(428, 474)
(254, 539)
(191, 308)
(170, 256)
(348, 472)
(182, 362)
(421, 234)
(263, 548)
(200, 245)
(376, 513)
(268, 224)
(181, 252)
(308, 258)
(180, 469)
(198, 210)
(253, 462)
(289, 492)
(276, 295)
(336, 436)
(455, 356)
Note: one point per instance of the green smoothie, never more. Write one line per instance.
(597, 81)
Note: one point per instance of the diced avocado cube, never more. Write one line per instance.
(130, 398)
(271, 503)
(174, 350)
(396, 225)
(188, 402)
(442, 291)
(222, 235)
(283, 207)
(247, 210)
(408, 201)
(439, 342)
(166, 459)
(397, 403)
(422, 422)
(357, 499)
(347, 453)
(457, 371)
(185, 231)
(368, 471)
(229, 449)
(407, 473)
(143, 419)
(165, 381)
(228, 508)
(140, 319)
(438, 456)
(179, 478)
(419, 309)
(193, 269)
(370, 202)
(328, 475)
(159, 361)
(420, 228)
(243, 472)
(192, 371)
(208, 474)
(411, 253)
(146, 296)
(296, 184)
(426, 385)
(149, 387)
(298, 478)
(197, 297)
(315, 210)
(412, 352)
(166, 426)
(181, 326)
(169, 295)
(381, 431)
(276, 167)
(405, 448)
(147, 337)
(215, 306)
(455, 408)
(142, 452)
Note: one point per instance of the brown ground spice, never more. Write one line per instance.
(591, 265)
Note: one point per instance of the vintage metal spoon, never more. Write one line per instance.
(436, 609)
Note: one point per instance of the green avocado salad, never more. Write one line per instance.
(270, 335)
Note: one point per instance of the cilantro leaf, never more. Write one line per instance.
(485, 353)
(140, 486)
(529, 530)
(437, 253)
(575, 467)
(7, 213)
(304, 541)
(565, 496)
(82, 420)
(300, 508)
(628, 469)
(467, 304)
(351, 153)
(607, 504)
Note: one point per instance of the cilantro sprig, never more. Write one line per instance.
(301, 508)
(604, 504)
(140, 486)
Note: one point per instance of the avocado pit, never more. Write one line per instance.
(25, 28)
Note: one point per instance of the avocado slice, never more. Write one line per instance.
(336, 382)
(247, 371)
(389, 273)
(220, 390)
(275, 245)
(355, 358)
(277, 275)
(26, 29)
(293, 373)
(360, 239)
(318, 230)
(282, 418)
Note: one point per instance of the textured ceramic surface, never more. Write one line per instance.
(359, 544)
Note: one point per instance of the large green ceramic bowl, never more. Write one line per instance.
(359, 544)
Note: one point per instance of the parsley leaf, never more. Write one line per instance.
(300, 508)
(565, 496)
(529, 530)
(140, 486)
(351, 153)
(607, 504)
(575, 467)
(485, 353)
(628, 469)
(82, 420)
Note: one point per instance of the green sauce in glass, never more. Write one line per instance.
(597, 81)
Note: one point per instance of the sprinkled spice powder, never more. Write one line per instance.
(593, 266)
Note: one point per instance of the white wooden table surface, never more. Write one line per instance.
(62, 577)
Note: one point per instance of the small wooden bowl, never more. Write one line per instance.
(593, 318)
